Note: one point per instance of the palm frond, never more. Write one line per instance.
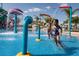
(67, 11)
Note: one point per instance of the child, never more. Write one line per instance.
(49, 29)
(56, 32)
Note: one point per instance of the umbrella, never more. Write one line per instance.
(16, 11)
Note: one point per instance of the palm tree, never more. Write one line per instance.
(67, 11)
(47, 18)
(75, 20)
(36, 22)
(66, 21)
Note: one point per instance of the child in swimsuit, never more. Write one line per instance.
(49, 28)
(56, 32)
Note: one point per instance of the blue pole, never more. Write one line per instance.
(27, 20)
(15, 23)
(70, 21)
(39, 32)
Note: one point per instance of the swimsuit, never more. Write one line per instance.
(55, 31)
(49, 29)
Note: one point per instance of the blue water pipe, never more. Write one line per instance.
(27, 20)
(39, 32)
(15, 23)
(70, 29)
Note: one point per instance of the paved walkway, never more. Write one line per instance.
(72, 33)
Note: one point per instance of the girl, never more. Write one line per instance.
(56, 32)
(49, 28)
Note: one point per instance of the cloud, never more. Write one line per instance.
(30, 10)
(36, 9)
(48, 7)
(33, 10)
(25, 11)
(64, 4)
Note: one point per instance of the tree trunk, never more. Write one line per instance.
(75, 27)
(68, 25)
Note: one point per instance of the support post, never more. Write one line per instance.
(27, 20)
(15, 23)
(70, 22)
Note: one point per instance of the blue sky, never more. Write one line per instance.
(33, 9)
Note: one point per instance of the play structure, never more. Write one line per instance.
(3, 18)
(28, 20)
(70, 18)
(38, 29)
(15, 12)
(30, 44)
